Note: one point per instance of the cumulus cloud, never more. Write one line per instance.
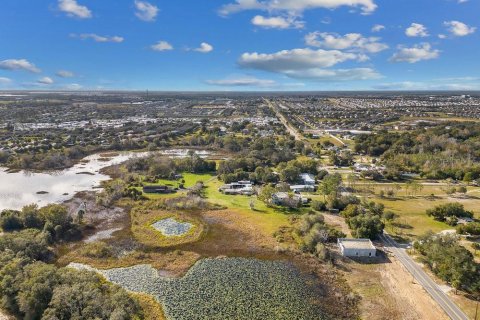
(5, 81)
(145, 11)
(308, 64)
(295, 6)
(277, 22)
(349, 41)
(73, 9)
(98, 38)
(295, 59)
(459, 29)
(45, 80)
(204, 48)
(378, 28)
(18, 64)
(416, 30)
(242, 82)
(162, 46)
(415, 54)
(64, 74)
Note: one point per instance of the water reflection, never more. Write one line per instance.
(25, 187)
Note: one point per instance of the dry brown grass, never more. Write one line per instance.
(172, 263)
(152, 310)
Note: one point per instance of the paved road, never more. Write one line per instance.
(450, 308)
(293, 131)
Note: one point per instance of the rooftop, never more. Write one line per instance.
(356, 243)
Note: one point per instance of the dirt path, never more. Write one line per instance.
(3, 316)
(338, 222)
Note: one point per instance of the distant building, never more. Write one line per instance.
(357, 247)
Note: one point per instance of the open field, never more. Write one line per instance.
(411, 213)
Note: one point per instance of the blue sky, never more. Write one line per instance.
(218, 45)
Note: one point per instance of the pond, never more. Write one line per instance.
(171, 227)
(22, 188)
(226, 288)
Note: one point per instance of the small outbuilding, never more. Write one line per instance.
(157, 189)
(357, 247)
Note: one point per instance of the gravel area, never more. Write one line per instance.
(226, 288)
(171, 227)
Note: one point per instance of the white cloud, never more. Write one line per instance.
(242, 82)
(277, 22)
(64, 74)
(295, 6)
(416, 30)
(415, 54)
(146, 11)
(45, 80)
(378, 28)
(295, 59)
(204, 48)
(162, 46)
(308, 64)
(459, 29)
(18, 64)
(5, 81)
(349, 41)
(73, 9)
(98, 38)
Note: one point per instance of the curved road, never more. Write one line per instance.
(450, 308)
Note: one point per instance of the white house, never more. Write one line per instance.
(357, 248)
(281, 198)
(302, 188)
(307, 178)
(240, 187)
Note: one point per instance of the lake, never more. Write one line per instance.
(22, 188)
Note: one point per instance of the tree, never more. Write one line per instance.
(31, 217)
(442, 212)
(266, 193)
(366, 226)
(10, 220)
(414, 186)
(290, 173)
(330, 185)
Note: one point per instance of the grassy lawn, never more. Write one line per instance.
(269, 219)
(411, 212)
(190, 180)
